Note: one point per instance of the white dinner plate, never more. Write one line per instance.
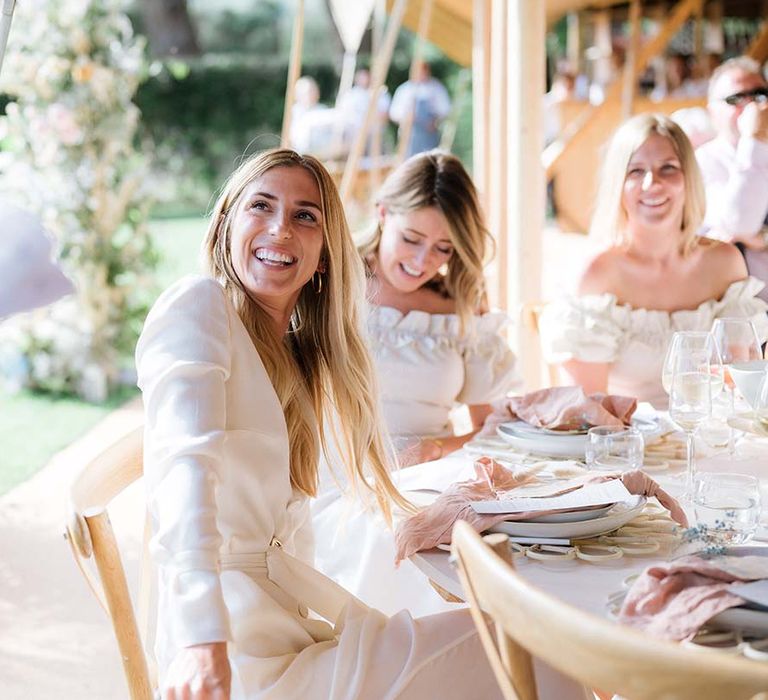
(746, 620)
(572, 516)
(617, 515)
(528, 438)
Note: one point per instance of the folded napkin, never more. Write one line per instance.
(562, 408)
(433, 525)
(673, 600)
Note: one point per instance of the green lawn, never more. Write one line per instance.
(33, 427)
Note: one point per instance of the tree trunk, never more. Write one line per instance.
(169, 28)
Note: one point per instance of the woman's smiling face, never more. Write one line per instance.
(413, 247)
(654, 186)
(277, 236)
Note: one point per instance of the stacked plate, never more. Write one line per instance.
(562, 443)
(575, 524)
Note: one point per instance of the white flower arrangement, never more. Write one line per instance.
(73, 67)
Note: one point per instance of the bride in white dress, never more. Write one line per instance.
(656, 277)
(238, 370)
(435, 347)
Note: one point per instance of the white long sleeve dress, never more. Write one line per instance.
(232, 540)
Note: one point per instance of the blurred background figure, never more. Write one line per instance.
(424, 100)
(29, 276)
(313, 124)
(735, 163)
(352, 106)
(696, 123)
(563, 89)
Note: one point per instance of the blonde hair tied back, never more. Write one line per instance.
(609, 221)
(323, 366)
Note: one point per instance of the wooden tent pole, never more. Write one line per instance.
(573, 41)
(379, 73)
(630, 79)
(294, 70)
(497, 136)
(404, 133)
(377, 35)
(525, 187)
(481, 83)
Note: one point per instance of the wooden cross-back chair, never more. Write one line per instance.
(594, 651)
(90, 535)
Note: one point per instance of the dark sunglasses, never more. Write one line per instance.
(759, 95)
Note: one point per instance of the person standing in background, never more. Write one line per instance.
(424, 100)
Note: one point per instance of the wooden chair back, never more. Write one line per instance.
(594, 651)
(530, 312)
(90, 535)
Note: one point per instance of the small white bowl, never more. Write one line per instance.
(748, 378)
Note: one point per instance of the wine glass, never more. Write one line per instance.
(684, 341)
(736, 340)
(690, 400)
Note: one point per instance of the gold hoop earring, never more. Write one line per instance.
(317, 282)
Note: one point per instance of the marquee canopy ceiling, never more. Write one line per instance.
(451, 21)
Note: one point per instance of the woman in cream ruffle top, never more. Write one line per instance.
(597, 328)
(656, 277)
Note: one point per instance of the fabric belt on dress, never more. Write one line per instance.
(299, 580)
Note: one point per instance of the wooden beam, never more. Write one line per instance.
(378, 75)
(677, 18)
(294, 71)
(404, 133)
(630, 77)
(758, 49)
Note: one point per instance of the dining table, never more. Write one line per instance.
(589, 585)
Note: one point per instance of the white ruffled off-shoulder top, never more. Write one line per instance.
(426, 366)
(596, 328)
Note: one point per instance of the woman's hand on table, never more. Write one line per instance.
(199, 672)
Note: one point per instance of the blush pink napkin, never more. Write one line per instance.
(562, 408)
(673, 600)
(433, 525)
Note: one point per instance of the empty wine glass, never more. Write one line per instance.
(737, 342)
(690, 400)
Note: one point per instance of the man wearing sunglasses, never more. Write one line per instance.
(735, 163)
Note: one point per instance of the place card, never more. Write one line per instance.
(603, 493)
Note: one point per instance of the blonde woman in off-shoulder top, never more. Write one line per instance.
(434, 346)
(656, 277)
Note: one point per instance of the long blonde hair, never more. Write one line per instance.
(323, 365)
(609, 221)
(438, 179)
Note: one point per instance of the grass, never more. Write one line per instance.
(34, 427)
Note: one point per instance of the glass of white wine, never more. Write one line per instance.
(686, 341)
(690, 400)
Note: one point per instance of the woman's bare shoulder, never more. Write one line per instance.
(721, 261)
(602, 272)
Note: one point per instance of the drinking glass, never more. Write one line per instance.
(685, 341)
(614, 448)
(728, 505)
(736, 341)
(690, 400)
(761, 403)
